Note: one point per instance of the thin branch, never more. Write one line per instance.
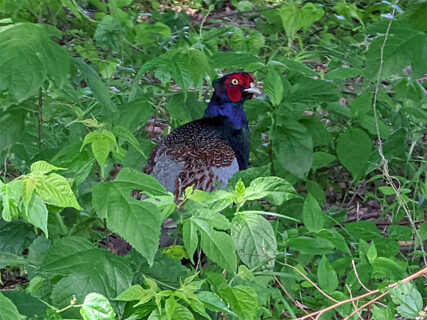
(308, 279)
(357, 276)
(413, 276)
(367, 304)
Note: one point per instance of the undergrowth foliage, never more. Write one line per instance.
(329, 219)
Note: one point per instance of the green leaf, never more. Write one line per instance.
(322, 159)
(364, 230)
(190, 238)
(125, 134)
(217, 245)
(275, 189)
(316, 191)
(37, 214)
(8, 309)
(404, 47)
(273, 86)
(371, 254)
(254, 239)
(362, 104)
(243, 300)
(400, 233)
(147, 33)
(318, 131)
(103, 142)
(213, 302)
(293, 147)
(97, 86)
(295, 19)
(309, 245)
(326, 275)
(135, 292)
(97, 307)
(225, 60)
(15, 236)
(127, 216)
(353, 149)
(390, 268)
(379, 313)
(408, 299)
(26, 304)
(56, 190)
(28, 57)
(185, 110)
(11, 194)
(43, 167)
(312, 215)
(368, 123)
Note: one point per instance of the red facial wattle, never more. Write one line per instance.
(234, 91)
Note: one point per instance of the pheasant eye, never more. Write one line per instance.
(235, 82)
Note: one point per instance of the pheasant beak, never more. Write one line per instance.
(253, 89)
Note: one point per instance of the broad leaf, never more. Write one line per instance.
(408, 299)
(243, 300)
(353, 149)
(326, 275)
(8, 309)
(275, 189)
(273, 87)
(312, 214)
(293, 147)
(138, 222)
(56, 190)
(96, 306)
(254, 239)
(28, 57)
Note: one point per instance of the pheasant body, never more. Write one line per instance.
(206, 153)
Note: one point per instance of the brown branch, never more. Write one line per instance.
(413, 276)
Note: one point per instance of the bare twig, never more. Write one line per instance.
(413, 276)
(357, 276)
(308, 279)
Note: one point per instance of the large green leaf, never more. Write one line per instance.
(217, 245)
(275, 189)
(56, 190)
(26, 304)
(293, 147)
(15, 236)
(353, 149)
(138, 222)
(408, 299)
(8, 309)
(254, 239)
(312, 214)
(28, 57)
(37, 213)
(273, 86)
(243, 300)
(96, 306)
(310, 245)
(326, 275)
(224, 60)
(405, 46)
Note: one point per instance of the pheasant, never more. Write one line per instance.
(204, 153)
